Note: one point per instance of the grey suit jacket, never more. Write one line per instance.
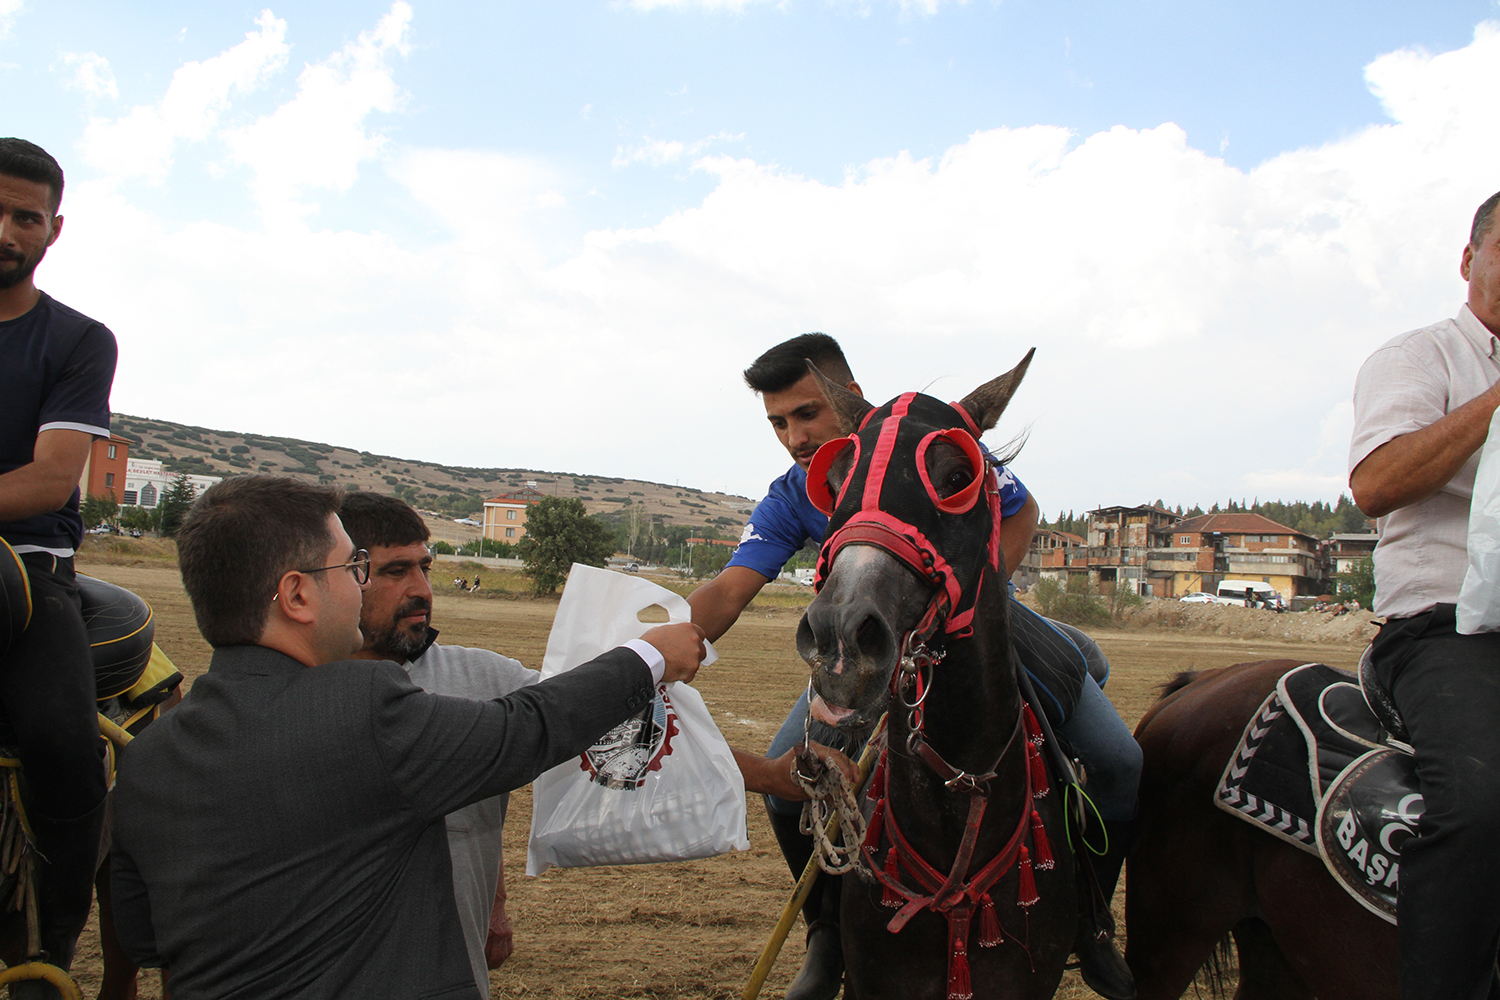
(280, 833)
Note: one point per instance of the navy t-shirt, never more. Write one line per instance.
(56, 369)
(786, 520)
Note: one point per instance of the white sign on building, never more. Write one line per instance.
(146, 482)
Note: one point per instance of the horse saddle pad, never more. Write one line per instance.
(1315, 768)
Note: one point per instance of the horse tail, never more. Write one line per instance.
(1221, 967)
(1179, 682)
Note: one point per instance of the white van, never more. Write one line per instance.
(1232, 592)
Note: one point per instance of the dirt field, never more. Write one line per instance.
(694, 930)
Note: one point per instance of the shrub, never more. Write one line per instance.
(1075, 605)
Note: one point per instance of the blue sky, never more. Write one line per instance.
(1202, 215)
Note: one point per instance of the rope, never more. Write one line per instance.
(830, 796)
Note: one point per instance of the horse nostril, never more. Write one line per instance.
(871, 636)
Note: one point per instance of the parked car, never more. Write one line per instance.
(1197, 597)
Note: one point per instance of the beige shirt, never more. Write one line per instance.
(1409, 383)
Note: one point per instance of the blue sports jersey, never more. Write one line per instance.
(56, 368)
(786, 520)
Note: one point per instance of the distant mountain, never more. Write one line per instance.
(447, 490)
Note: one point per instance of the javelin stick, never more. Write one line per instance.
(805, 883)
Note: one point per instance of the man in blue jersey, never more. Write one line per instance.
(1067, 667)
(56, 369)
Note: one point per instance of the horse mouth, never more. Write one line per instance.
(837, 715)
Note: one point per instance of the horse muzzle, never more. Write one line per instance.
(850, 634)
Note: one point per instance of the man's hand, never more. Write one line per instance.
(499, 944)
(773, 775)
(681, 646)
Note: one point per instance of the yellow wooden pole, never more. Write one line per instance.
(805, 883)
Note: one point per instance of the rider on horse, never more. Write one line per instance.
(56, 369)
(1066, 666)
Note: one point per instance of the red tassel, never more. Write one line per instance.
(877, 781)
(1026, 893)
(876, 826)
(990, 933)
(1040, 844)
(890, 897)
(1039, 785)
(959, 985)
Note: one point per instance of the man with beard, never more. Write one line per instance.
(56, 370)
(396, 619)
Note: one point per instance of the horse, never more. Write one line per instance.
(912, 602)
(1197, 874)
(135, 682)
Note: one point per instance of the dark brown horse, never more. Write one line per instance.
(1197, 874)
(959, 892)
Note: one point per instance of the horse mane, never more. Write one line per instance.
(1177, 683)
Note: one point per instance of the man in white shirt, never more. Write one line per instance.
(1422, 409)
(396, 619)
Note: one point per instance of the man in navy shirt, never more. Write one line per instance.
(56, 368)
(1068, 668)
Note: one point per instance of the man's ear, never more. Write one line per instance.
(57, 222)
(293, 601)
(854, 388)
(1467, 261)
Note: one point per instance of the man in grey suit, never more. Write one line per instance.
(280, 834)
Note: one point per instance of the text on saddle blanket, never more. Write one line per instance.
(1314, 768)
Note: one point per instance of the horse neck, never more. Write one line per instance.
(969, 717)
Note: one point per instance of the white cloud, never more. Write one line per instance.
(91, 75)
(320, 137)
(1193, 321)
(141, 143)
(9, 11)
(659, 153)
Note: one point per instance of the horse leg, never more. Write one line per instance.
(1265, 973)
(118, 981)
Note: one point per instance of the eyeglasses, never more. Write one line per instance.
(359, 567)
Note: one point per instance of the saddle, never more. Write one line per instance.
(1323, 766)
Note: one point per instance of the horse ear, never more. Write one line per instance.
(850, 406)
(986, 403)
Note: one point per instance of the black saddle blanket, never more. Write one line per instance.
(1315, 769)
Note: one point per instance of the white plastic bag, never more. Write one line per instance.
(1479, 598)
(662, 786)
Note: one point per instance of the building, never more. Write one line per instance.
(1052, 556)
(1198, 553)
(146, 481)
(505, 515)
(1119, 545)
(104, 471)
(1343, 550)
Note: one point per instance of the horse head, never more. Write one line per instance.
(913, 535)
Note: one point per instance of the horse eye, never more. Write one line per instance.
(957, 480)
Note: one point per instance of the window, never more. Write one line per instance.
(1184, 539)
(112, 451)
(148, 496)
(129, 498)
(510, 532)
(109, 478)
(510, 515)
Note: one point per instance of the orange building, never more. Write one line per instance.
(104, 470)
(505, 515)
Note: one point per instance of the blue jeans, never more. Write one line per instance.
(1095, 731)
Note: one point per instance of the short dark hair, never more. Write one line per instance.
(1483, 220)
(376, 519)
(237, 542)
(30, 162)
(784, 365)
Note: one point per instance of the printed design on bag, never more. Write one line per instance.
(626, 755)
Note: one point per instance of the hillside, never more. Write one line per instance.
(444, 490)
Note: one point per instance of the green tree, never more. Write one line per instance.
(1359, 582)
(138, 518)
(99, 508)
(174, 506)
(559, 532)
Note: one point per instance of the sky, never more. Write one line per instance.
(551, 236)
